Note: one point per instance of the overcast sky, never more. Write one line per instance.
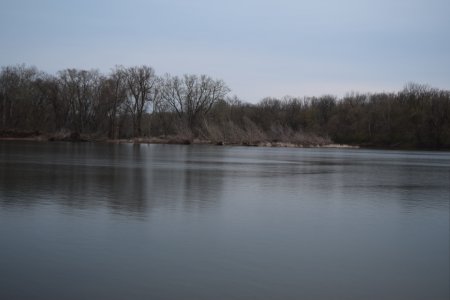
(259, 48)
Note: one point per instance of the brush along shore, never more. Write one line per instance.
(12, 135)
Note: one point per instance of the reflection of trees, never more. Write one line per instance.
(127, 185)
(202, 186)
(166, 176)
(181, 179)
(126, 179)
(73, 175)
(380, 178)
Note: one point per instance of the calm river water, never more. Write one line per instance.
(98, 221)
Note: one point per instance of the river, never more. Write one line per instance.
(101, 221)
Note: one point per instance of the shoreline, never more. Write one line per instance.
(220, 143)
(177, 141)
(167, 141)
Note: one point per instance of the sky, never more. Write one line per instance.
(260, 48)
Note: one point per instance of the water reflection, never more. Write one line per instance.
(197, 222)
(137, 178)
(125, 187)
(126, 178)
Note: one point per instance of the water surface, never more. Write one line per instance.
(97, 221)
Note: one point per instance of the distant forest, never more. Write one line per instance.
(134, 102)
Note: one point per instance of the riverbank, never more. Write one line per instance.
(176, 140)
(304, 141)
(221, 143)
(76, 137)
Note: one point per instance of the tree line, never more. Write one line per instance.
(135, 102)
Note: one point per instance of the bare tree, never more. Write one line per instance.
(113, 94)
(80, 89)
(16, 93)
(192, 97)
(141, 87)
(45, 108)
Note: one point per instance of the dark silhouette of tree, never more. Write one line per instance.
(141, 87)
(17, 95)
(113, 95)
(80, 89)
(191, 97)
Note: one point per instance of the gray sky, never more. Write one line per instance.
(259, 48)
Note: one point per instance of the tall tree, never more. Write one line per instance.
(113, 95)
(191, 97)
(141, 87)
(80, 89)
(16, 94)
